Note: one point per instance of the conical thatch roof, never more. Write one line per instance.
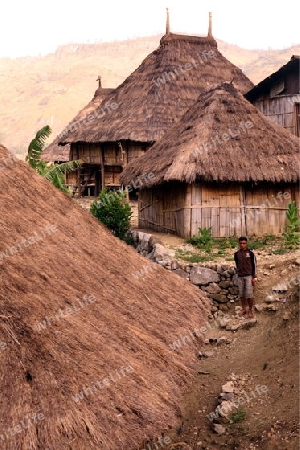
(223, 138)
(52, 255)
(160, 90)
(55, 152)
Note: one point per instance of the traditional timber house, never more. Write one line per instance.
(278, 96)
(147, 104)
(87, 180)
(224, 165)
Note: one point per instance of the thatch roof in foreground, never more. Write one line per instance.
(55, 152)
(160, 90)
(221, 138)
(130, 324)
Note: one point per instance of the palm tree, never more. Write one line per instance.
(54, 173)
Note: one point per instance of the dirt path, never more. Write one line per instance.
(266, 354)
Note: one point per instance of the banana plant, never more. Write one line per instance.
(54, 173)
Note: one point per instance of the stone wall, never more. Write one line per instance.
(219, 281)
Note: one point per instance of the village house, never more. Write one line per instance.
(278, 96)
(139, 112)
(224, 165)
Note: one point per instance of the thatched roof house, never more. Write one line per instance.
(222, 166)
(150, 101)
(85, 338)
(278, 96)
(57, 153)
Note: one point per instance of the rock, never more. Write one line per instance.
(175, 265)
(201, 275)
(224, 306)
(280, 288)
(225, 409)
(219, 268)
(233, 327)
(233, 290)
(212, 288)
(235, 280)
(226, 274)
(228, 387)
(261, 307)
(297, 262)
(221, 298)
(284, 272)
(286, 316)
(225, 284)
(181, 273)
(160, 253)
(272, 307)
(271, 299)
(249, 323)
(227, 395)
(225, 266)
(272, 266)
(223, 340)
(224, 322)
(218, 428)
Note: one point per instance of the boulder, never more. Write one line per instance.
(212, 288)
(160, 253)
(220, 298)
(202, 275)
(181, 273)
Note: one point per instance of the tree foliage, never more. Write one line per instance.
(113, 211)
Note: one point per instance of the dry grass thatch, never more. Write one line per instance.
(159, 91)
(129, 324)
(221, 138)
(58, 153)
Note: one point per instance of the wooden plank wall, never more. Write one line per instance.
(231, 210)
(281, 109)
(113, 155)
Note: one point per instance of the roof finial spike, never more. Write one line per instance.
(168, 22)
(210, 25)
(99, 81)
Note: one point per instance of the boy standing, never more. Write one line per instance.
(245, 261)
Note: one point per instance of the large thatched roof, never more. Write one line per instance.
(62, 356)
(223, 138)
(55, 152)
(160, 90)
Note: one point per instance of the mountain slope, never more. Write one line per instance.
(35, 91)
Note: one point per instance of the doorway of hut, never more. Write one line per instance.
(89, 180)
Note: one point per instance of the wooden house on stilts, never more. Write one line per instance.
(224, 165)
(145, 106)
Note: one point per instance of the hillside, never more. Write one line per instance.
(51, 89)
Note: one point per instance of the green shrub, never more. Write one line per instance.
(113, 211)
(238, 416)
(203, 239)
(292, 229)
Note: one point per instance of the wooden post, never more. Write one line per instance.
(102, 168)
(210, 25)
(168, 22)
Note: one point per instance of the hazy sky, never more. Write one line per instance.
(32, 27)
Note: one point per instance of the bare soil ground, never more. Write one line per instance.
(266, 354)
